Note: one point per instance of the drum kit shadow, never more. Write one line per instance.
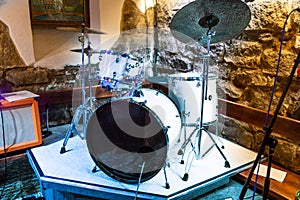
(131, 138)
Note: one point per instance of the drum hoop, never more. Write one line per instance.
(166, 96)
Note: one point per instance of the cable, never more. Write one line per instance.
(5, 161)
(273, 90)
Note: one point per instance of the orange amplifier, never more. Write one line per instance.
(22, 127)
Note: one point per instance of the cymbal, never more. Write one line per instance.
(74, 29)
(195, 22)
(87, 51)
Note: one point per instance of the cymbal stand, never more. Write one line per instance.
(89, 53)
(203, 98)
(183, 128)
(82, 110)
(200, 127)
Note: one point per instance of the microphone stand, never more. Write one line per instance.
(155, 39)
(272, 142)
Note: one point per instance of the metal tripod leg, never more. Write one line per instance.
(183, 122)
(217, 133)
(217, 125)
(188, 167)
(72, 127)
(181, 151)
(166, 178)
(227, 165)
(139, 181)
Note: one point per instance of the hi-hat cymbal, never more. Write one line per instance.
(74, 29)
(224, 18)
(87, 51)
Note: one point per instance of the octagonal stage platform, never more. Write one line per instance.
(70, 176)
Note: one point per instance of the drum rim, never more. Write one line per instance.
(167, 97)
(191, 76)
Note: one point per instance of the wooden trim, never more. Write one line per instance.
(69, 96)
(284, 126)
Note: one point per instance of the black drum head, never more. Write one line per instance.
(123, 137)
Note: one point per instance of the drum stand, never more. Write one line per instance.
(200, 126)
(84, 110)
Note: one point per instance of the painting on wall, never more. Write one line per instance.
(59, 12)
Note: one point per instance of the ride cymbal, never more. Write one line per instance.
(225, 19)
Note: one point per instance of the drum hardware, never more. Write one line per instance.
(139, 181)
(184, 89)
(200, 125)
(47, 132)
(86, 108)
(185, 143)
(189, 164)
(197, 22)
(166, 177)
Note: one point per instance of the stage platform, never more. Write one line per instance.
(70, 176)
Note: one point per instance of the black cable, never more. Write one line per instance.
(5, 161)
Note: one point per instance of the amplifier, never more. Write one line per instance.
(22, 127)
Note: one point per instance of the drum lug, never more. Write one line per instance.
(166, 128)
(143, 103)
(198, 84)
(138, 93)
(186, 114)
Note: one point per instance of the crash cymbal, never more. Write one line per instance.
(224, 18)
(74, 29)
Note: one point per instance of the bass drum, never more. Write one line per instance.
(167, 112)
(125, 138)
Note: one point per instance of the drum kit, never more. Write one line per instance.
(133, 136)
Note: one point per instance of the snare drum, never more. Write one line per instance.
(185, 89)
(128, 133)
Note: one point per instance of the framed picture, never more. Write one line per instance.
(60, 12)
